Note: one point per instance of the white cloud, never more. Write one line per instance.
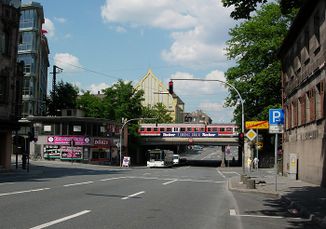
(217, 111)
(49, 27)
(198, 28)
(67, 62)
(200, 87)
(60, 19)
(120, 29)
(95, 88)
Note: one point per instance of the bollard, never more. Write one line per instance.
(251, 184)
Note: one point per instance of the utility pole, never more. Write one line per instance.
(54, 84)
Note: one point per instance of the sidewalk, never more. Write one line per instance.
(306, 198)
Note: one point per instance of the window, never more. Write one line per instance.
(28, 40)
(169, 129)
(28, 19)
(162, 129)
(182, 129)
(222, 129)
(188, 128)
(209, 129)
(142, 129)
(155, 129)
(202, 129)
(148, 129)
(214, 129)
(4, 42)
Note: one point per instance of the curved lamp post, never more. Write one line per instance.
(242, 108)
(121, 130)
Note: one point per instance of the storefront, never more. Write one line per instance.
(101, 151)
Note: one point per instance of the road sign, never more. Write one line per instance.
(276, 121)
(276, 117)
(251, 135)
(256, 124)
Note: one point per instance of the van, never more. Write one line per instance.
(176, 159)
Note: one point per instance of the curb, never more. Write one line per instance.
(231, 188)
(291, 204)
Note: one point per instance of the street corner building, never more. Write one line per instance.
(11, 78)
(302, 56)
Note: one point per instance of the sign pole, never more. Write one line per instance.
(276, 142)
(257, 148)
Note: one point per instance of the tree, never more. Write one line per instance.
(253, 45)
(158, 111)
(243, 8)
(92, 105)
(65, 97)
(122, 101)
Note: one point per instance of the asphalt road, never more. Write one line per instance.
(99, 197)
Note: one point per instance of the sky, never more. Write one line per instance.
(100, 41)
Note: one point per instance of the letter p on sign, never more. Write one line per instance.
(276, 116)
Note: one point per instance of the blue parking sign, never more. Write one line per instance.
(276, 116)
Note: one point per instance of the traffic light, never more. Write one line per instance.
(171, 87)
(241, 139)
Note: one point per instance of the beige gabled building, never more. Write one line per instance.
(156, 92)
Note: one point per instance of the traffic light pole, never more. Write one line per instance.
(242, 109)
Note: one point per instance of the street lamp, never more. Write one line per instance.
(242, 107)
(121, 130)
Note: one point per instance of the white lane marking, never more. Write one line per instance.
(25, 191)
(232, 172)
(133, 195)
(170, 182)
(202, 181)
(219, 172)
(113, 178)
(61, 220)
(81, 183)
(234, 213)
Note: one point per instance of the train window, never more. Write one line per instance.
(208, 129)
(188, 128)
(182, 129)
(155, 129)
(228, 129)
(162, 129)
(142, 129)
(222, 129)
(214, 129)
(169, 129)
(195, 129)
(148, 129)
(202, 129)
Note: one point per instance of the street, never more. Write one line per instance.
(99, 197)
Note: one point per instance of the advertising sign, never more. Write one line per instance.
(71, 152)
(126, 161)
(51, 152)
(65, 140)
(190, 134)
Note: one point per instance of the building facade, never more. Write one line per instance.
(73, 137)
(198, 117)
(11, 77)
(33, 50)
(155, 92)
(303, 55)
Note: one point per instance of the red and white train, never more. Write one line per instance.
(188, 129)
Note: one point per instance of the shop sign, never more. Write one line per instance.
(51, 152)
(102, 142)
(66, 140)
(71, 152)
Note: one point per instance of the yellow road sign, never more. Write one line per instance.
(251, 135)
(257, 125)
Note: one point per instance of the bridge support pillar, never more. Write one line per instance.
(223, 157)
